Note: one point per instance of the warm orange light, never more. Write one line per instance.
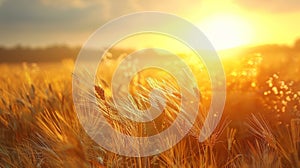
(226, 31)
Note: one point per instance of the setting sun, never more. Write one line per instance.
(226, 31)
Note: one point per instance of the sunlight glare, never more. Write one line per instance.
(226, 31)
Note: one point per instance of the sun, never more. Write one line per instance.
(226, 31)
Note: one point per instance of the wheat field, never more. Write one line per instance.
(39, 128)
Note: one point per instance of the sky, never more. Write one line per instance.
(227, 23)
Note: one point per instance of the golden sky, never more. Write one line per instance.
(227, 23)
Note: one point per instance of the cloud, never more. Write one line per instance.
(1, 2)
(38, 16)
(69, 3)
(274, 6)
(115, 8)
(47, 18)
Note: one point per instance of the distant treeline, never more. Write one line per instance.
(58, 53)
(274, 48)
(47, 54)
